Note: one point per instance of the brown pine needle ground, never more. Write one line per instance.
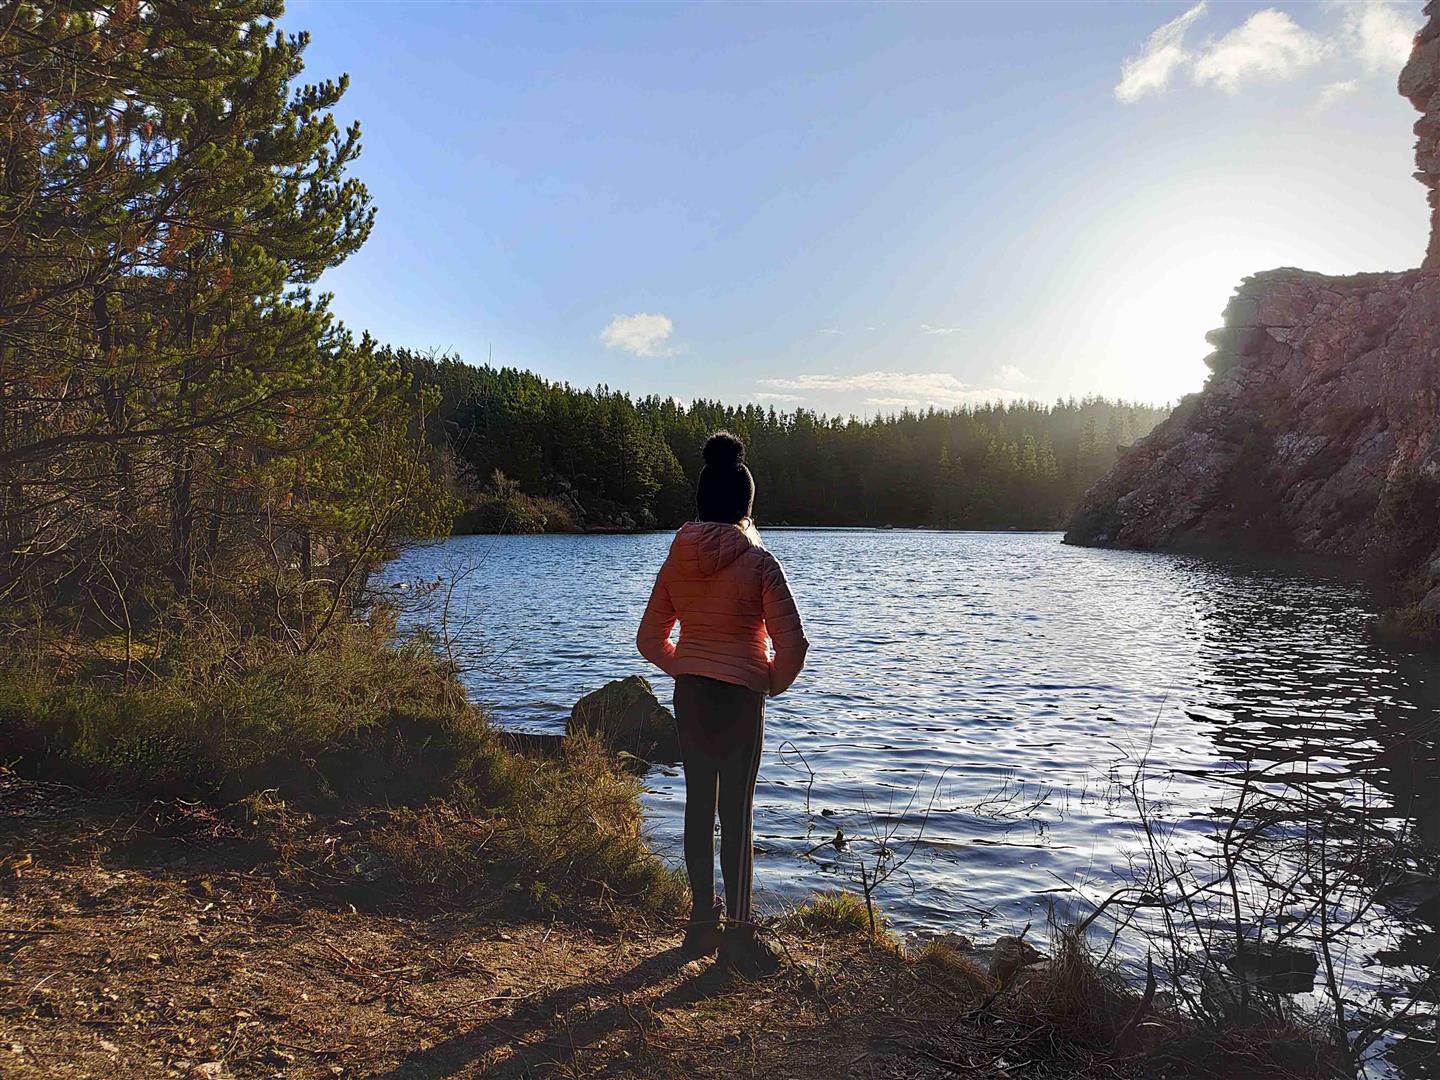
(126, 955)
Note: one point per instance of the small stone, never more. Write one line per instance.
(209, 1070)
(109, 1047)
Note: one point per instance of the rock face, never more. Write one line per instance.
(1420, 83)
(627, 716)
(1319, 430)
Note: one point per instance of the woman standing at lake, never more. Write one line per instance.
(729, 595)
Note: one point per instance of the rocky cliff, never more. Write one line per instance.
(1319, 429)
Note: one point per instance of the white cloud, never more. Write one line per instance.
(892, 402)
(1164, 54)
(1269, 46)
(1012, 376)
(1370, 37)
(926, 328)
(830, 330)
(894, 387)
(1333, 92)
(1380, 35)
(930, 383)
(641, 335)
(765, 396)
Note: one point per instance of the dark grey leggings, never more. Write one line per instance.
(722, 728)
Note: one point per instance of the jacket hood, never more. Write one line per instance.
(704, 548)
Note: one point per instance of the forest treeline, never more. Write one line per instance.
(524, 453)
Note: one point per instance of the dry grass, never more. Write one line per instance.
(958, 965)
(567, 834)
(1091, 1004)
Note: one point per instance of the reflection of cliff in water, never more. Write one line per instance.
(1283, 682)
(1407, 768)
(1354, 732)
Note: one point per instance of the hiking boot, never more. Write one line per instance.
(745, 953)
(702, 932)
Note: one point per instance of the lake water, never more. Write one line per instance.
(987, 699)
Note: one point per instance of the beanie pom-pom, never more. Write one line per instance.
(723, 450)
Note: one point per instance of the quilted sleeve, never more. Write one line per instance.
(782, 623)
(653, 637)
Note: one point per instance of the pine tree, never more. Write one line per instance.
(1089, 457)
(948, 502)
(175, 396)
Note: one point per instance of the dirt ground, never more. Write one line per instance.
(126, 955)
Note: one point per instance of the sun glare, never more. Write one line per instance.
(1156, 345)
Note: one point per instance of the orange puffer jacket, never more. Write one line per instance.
(728, 594)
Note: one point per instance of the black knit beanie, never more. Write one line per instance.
(726, 491)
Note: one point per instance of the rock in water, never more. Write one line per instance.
(627, 716)
(1009, 954)
(1319, 429)
(1281, 969)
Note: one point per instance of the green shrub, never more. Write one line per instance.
(1407, 627)
(216, 716)
(839, 912)
(504, 508)
(366, 719)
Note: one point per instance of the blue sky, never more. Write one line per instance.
(859, 207)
